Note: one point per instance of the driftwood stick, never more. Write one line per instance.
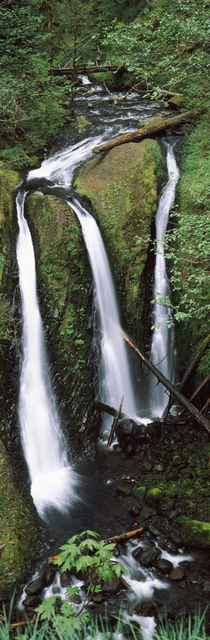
(166, 383)
(144, 132)
(124, 536)
(115, 421)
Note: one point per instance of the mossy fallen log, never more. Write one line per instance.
(145, 132)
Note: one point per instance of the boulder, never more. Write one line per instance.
(122, 188)
(194, 532)
(132, 434)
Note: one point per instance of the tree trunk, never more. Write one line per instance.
(144, 132)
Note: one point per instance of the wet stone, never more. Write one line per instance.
(35, 587)
(167, 505)
(147, 512)
(137, 553)
(32, 601)
(48, 576)
(134, 510)
(177, 574)
(164, 566)
(75, 599)
(112, 587)
(98, 597)
(149, 556)
(65, 579)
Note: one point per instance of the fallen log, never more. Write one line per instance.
(166, 383)
(145, 132)
(111, 410)
(115, 421)
(68, 71)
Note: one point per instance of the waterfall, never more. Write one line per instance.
(52, 480)
(114, 374)
(163, 343)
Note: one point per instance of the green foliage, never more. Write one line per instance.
(192, 629)
(166, 48)
(88, 557)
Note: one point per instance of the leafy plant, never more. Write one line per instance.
(93, 560)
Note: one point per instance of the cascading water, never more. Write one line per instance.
(114, 374)
(163, 346)
(52, 480)
(44, 447)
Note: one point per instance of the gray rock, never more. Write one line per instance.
(147, 512)
(164, 566)
(32, 601)
(177, 574)
(35, 587)
(149, 556)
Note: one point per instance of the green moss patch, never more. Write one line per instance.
(122, 188)
(17, 530)
(194, 533)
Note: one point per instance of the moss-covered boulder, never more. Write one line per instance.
(122, 188)
(194, 532)
(64, 285)
(17, 530)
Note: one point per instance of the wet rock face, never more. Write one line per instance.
(122, 189)
(64, 286)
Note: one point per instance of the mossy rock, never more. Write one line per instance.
(18, 530)
(154, 496)
(194, 532)
(122, 188)
(177, 101)
(64, 279)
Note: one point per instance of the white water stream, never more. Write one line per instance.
(163, 343)
(114, 373)
(52, 480)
